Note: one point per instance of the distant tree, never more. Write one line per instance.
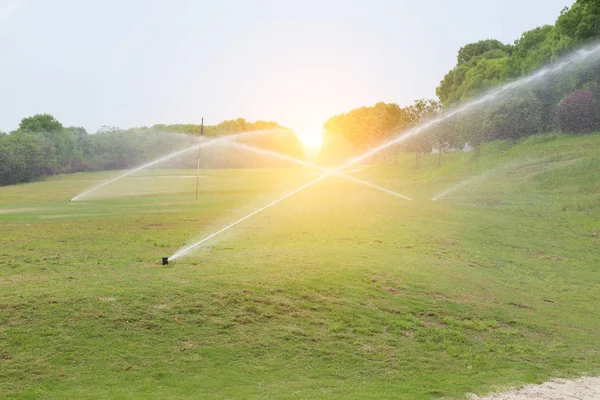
(6, 154)
(40, 123)
(470, 129)
(365, 127)
(532, 49)
(445, 136)
(422, 110)
(488, 63)
(59, 144)
(481, 65)
(581, 22)
(514, 118)
(43, 146)
(419, 112)
(577, 112)
(466, 53)
(419, 144)
(22, 158)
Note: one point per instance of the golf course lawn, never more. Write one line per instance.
(340, 291)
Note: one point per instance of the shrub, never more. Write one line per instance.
(577, 112)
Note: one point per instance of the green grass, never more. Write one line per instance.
(339, 292)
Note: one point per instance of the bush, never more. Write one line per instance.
(577, 112)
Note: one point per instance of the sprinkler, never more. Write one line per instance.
(165, 261)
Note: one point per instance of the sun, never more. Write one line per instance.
(307, 126)
(310, 137)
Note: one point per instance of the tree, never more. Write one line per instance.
(485, 64)
(581, 23)
(422, 110)
(469, 129)
(419, 144)
(445, 137)
(532, 49)
(22, 158)
(365, 127)
(58, 143)
(466, 53)
(43, 146)
(481, 65)
(419, 112)
(40, 123)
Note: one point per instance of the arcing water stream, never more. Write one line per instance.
(187, 249)
(133, 171)
(209, 142)
(575, 60)
(231, 140)
(310, 165)
(465, 183)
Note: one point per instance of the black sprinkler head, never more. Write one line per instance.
(165, 261)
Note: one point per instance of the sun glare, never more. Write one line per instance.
(310, 138)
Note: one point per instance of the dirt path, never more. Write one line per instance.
(559, 389)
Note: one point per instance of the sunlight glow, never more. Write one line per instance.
(311, 137)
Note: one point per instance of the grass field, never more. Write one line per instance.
(339, 292)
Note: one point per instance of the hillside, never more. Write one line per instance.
(339, 292)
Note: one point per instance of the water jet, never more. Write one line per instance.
(590, 54)
(168, 156)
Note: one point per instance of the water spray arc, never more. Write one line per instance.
(310, 165)
(579, 57)
(177, 153)
(466, 182)
(186, 249)
(133, 171)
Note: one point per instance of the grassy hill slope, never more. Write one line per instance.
(339, 292)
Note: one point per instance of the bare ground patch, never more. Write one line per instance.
(558, 389)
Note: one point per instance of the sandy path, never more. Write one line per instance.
(559, 389)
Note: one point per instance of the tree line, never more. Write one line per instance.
(562, 102)
(42, 146)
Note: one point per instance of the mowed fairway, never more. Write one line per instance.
(340, 291)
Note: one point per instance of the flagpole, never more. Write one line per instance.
(198, 168)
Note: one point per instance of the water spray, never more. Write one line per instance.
(184, 250)
(133, 171)
(168, 156)
(165, 260)
(579, 56)
(314, 166)
(468, 181)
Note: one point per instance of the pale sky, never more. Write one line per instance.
(129, 63)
